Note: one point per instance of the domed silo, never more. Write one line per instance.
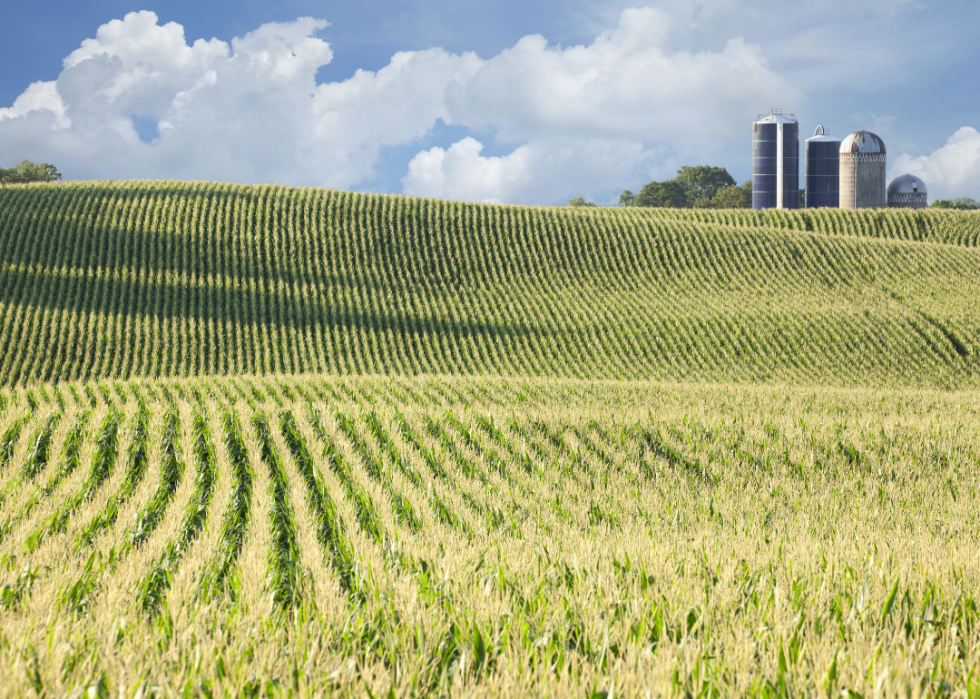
(822, 170)
(908, 192)
(776, 162)
(862, 172)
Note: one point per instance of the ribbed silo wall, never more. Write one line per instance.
(764, 149)
(863, 181)
(919, 200)
(822, 174)
(765, 165)
(791, 166)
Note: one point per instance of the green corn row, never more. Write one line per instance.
(137, 464)
(160, 279)
(103, 461)
(284, 555)
(235, 521)
(367, 516)
(402, 506)
(171, 471)
(442, 511)
(153, 587)
(329, 526)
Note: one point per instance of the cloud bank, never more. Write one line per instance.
(951, 171)
(594, 117)
(139, 101)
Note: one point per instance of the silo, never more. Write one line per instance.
(776, 162)
(822, 170)
(907, 192)
(862, 172)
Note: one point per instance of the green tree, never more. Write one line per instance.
(579, 201)
(702, 182)
(26, 171)
(733, 197)
(670, 194)
(961, 203)
(627, 198)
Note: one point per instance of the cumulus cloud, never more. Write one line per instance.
(459, 171)
(543, 170)
(950, 172)
(589, 114)
(247, 111)
(39, 97)
(626, 84)
(139, 101)
(857, 43)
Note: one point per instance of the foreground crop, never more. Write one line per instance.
(487, 536)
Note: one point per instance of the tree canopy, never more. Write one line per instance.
(670, 194)
(702, 182)
(733, 197)
(960, 203)
(26, 171)
(701, 186)
(580, 201)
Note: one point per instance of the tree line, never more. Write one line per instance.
(698, 187)
(25, 171)
(959, 203)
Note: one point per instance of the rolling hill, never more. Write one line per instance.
(110, 280)
(264, 442)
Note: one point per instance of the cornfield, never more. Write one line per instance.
(260, 441)
(161, 279)
(452, 536)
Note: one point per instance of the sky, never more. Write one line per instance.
(515, 101)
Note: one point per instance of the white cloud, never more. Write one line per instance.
(250, 111)
(544, 170)
(461, 171)
(581, 119)
(949, 172)
(39, 97)
(626, 84)
(832, 44)
(403, 101)
(591, 116)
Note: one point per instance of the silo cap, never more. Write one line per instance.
(862, 142)
(775, 117)
(907, 184)
(823, 139)
(822, 136)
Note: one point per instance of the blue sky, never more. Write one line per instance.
(525, 102)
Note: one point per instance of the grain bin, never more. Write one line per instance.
(862, 172)
(822, 170)
(776, 162)
(908, 192)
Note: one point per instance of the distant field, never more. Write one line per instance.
(485, 537)
(119, 280)
(261, 441)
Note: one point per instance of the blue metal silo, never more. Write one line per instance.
(776, 162)
(822, 170)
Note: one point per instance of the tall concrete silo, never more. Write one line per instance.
(822, 170)
(776, 162)
(907, 192)
(862, 172)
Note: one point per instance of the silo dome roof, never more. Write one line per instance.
(823, 139)
(907, 184)
(773, 118)
(862, 142)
